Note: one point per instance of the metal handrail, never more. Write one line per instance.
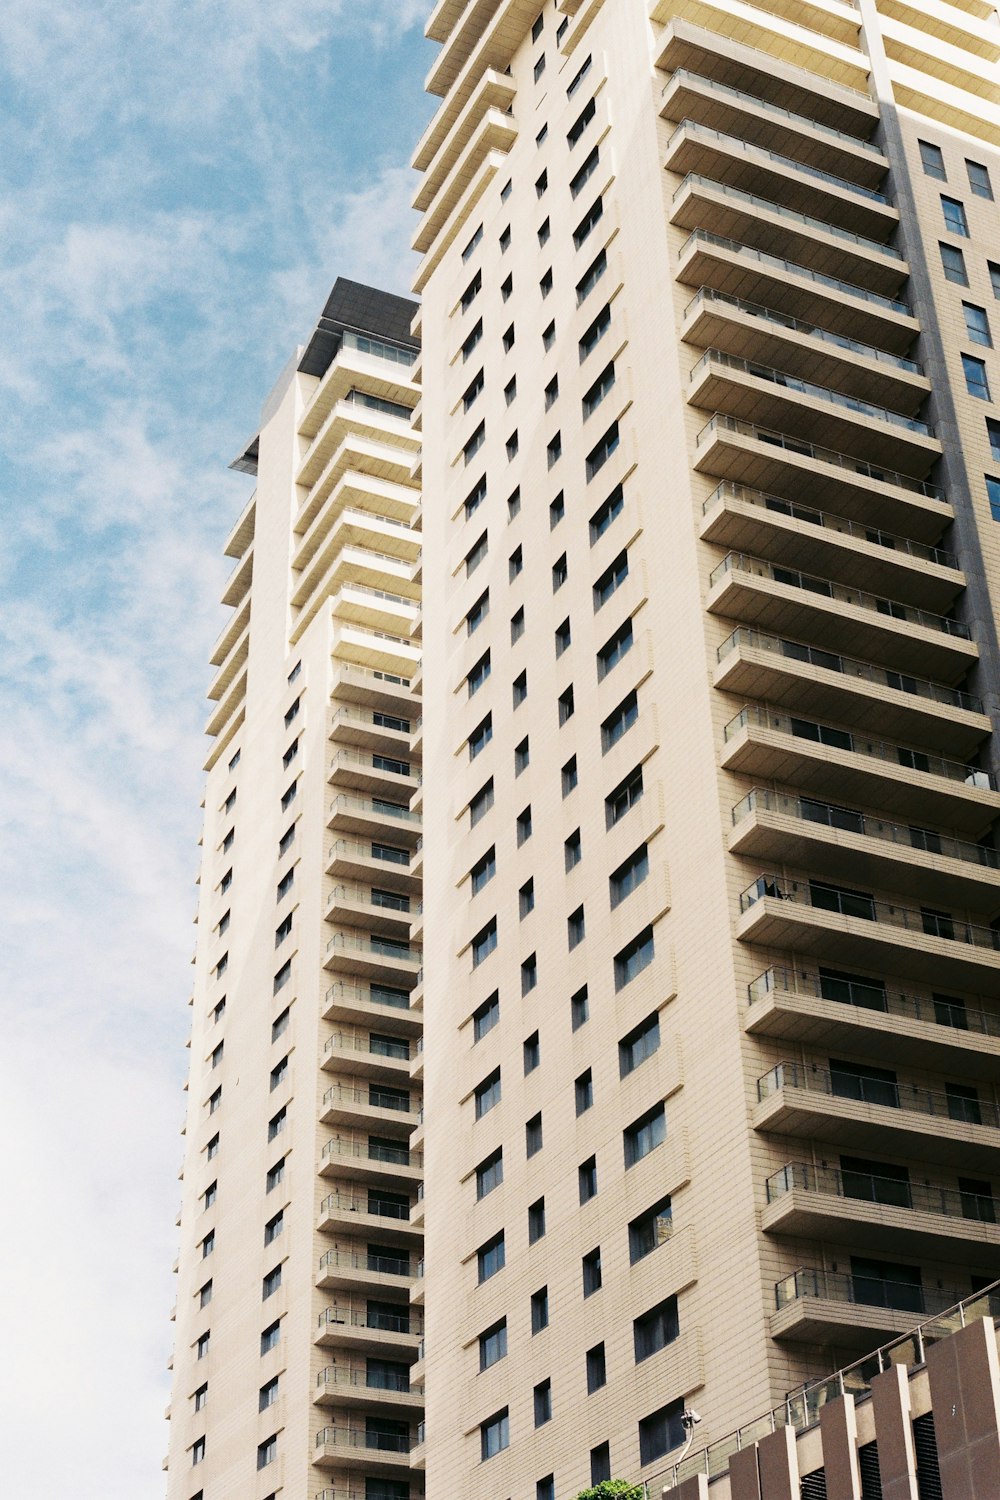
(909, 1098)
(867, 1187)
(809, 388)
(835, 283)
(765, 204)
(915, 1005)
(765, 106)
(751, 149)
(783, 320)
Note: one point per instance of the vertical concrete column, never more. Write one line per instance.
(838, 1425)
(896, 1459)
(964, 1373)
(694, 1488)
(779, 1465)
(744, 1476)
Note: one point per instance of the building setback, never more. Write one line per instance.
(712, 467)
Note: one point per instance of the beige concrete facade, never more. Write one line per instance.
(300, 1224)
(710, 675)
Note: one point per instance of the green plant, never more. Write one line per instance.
(613, 1489)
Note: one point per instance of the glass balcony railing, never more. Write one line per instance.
(353, 1203)
(896, 1192)
(747, 148)
(394, 354)
(373, 1380)
(914, 1005)
(375, 807)
(383, 1265)
(374, 762)
(366, 896)
(392, 1154)
(346, 1437)
(818, 226)
(370, 1098)
(755, 567)
(935, 692)
(768, 110)
(847, 820)
(405, 1321)
(351, 672)
(707, 297)
(867, 409)
(792, 268)
(374, 994)
(864, 1291)
(728, 490)
(721, 423)
(857, 904)
(908, 1098)
(384, 852)
(375, 1046)
(374, 947)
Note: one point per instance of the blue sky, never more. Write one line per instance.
(180, 183)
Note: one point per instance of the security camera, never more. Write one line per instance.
(689, 1419)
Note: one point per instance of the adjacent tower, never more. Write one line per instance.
(300, 1219)
(713, 465)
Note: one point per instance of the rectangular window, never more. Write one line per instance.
(977, 324)
(524, 826)
(624, 797)
(586, 1176)
(600, 1463)
(284, 885)
(597, 392)
(267, 1452)
(536, 1220)
(581, 122)
(610, 580)
(476, 553)
(932, 160)
(591, 1267)
(545, 284)
(513, 503)
(661, 1431)
(472, 291)
(572, 850)
(270, 1336)
(644, 1135)
(489, 1173)
(579, 1008)
(588, 223)
(214, 1100)
(475, 334)
(522, 756)
(526, 899)
(596, 1369)
(484, 942)
(283, 930)
(485, 1017)
(267, 1395)
(288, 797)
(566, 704)
(552, 394)
(275, 1175)
(515, 563)
(620, 721)
(575, 928)
(493, 1345)
(505, 240)
(579, 76)
(650, 1229)
(591, 277)
(993, 495)
(494, 1435)
(579, 181)
(481, 803)
(539, 1310)
(198, 1451)
(292, 712)
(655, 1329)
(270, 1283)
(584, 1091)
(277, 1123)
(614, 649)
(491, 1257)
(976, 380)
(544, 231)
(509, 396)
(543, 1411)
(994, 271)
(954, 216)
(593, 335)
(473, 390)
(553, 450)
(234, 760)
(201, 1397)
(274, 1227)
(993, 432)
(533, 1135)
(519, 689)
(480, 736)
(483, 870)
(472, 243)
(570, 776)
(979, 179)
(507, 287)
(641, 1042)
(548, 336)
(205, 1295)
(279, 1072)
(475, 442)
(629, 874)
(487, 1094)
(564, 637)
(512, 446)
(539, 67)
(202, 1344)
(282, 977)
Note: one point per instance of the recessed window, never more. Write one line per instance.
(198, 1451)
(614, 649)
(993, 495)
(569, 775)
(549, 336)
(629, 874)
(522, 756)
(580, 179)
(526, 898)
(283, 930)
(581, 122)
(205, 1295)
(485, 1017)
(484, 942)
(588, 223)
(230, 802)
(267, 1395)
(222, 966)
(277, 1123)
(517, 625)
(661, 1431)
(563, 637)
(494, 1435)
(477, 614)
(655, 1329)
(994, 271)
(481, 803)
(201, 1397)
(217, 1053)
(650, 1229)
(644, 1135)
(234, 760)
(474, 443)
(489, 1173)
(572, 850)
(579, 76)
(212, 1149)
(480, 736)
(932, 160)
(274, 1227)
(505, 191)
(542, 136)
(507, 287)
(596, 1369)
(508, 339)
(954, 216)
(976, 380)
(473, 390)
(472, 243)
(575, 928)
(539, 67)
(993, 432)
(544, 230)
(536, 1220)
(566, 704)
(515, 563)
(227, 842)
(542, 185)
(202, 1344)
(537, 25)
(591, 277)
(226, 882)
(493, 1345)
(512, 446)
(586, 1174)
(561, 29)
(592, 1276)
(270, 1283)
(579, 1008)
(478, 674)
(275, 1175)
(533, 1135)
(551, 396)
(597, 392)
(214, 1100)
(472, 291)
(543, 1413)
(279, 1073)
(519, 688)
(473, 338)
(557, 510)
(524, 825)
(210, 1194)
(505, 240)
(977, 324)
(532, 1053)
(270, 1336)
(953, 264)
(545, 285)
(619, 722)
(639, 1044)
(610, 580)
(491, 1257)
(267, 1452)
(219, 1010)
(584, 1091)
(979, 179)
(539, 1310)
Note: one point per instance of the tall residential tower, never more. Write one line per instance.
(712, 466)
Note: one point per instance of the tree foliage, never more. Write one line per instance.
(613, 1489)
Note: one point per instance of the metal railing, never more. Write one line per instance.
(848, 820)
(782, 320)
(386, 1380)
(383, 1265)
(405, 1321)
(377, 947)
(366, 716)
(352, 1203)
(729, 490)
(863, 1291)
(908, 1098)
(371, 851)
(913, 1005)
(349, 1437)
(890, 609)
(356, 758)
(750, 149)
(351, 671)
(397, 1048)
(792, 267)
(848, 666)
(374, 809)
(696, 179)
(804, 449)
(801, 1409)
(869, 909)
(801, 387)
(766, 108)
(374, 995)
(864, 1187)
(392, 1155)
(365, 896)
(372, 1098)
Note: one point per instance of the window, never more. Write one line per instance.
(553, 448)
(536, 1220)
(202, 1343)
(289, 795)
(519, 688)
(277, 1123)
(581, 122)
(230, 802)
(484, 942)
(575, 928)
(561, 29)
(472, 291)
(201, 1397)
(210, 1194)
(954, 216)
(588, 223)
(472, 243)
(537, 25)
(234, 760)
(597, 392)
(493, 1344)
(485, 1017)
(477, 614)
(591, 1266)
(198, 1451)
(661, 1431)
(480, 736)
(483, 870)
(487, 1094)
(591, 277)
(512, 446)
(545, 1489)
(489, 1173)
(216, 1057)
(286, 841)
(279, 1072)
(274, 1227)
(275, 1175)
(475, 442)
(579, 181)
(979, 179)
(544, 230)
(532, 1053)
(214, 1099)
(539, 67)
(224, 921)
(543, 1413)
(292, 712)
(542, 136)
(524, 826)
(539, 1310)
(505, 240)
(596, 1369)
(993, 495)
(475, 334)
(549, 336)
(566, 704)
(505, 191)
(284, 885)
(542, 185)
(584, 1091)
(267, 1395)
(650, 1229)
(212, 1149)
(522, 756)
(639, 1044)
(644, 1135)
(283, 930)
(569, 776)
(953, 264)
(267, 1451)
(507, 287)
(578, 77)
(270, 1283)
(515, 563)
(932, 160)
(589, 342)
(614, 649)
(977, 324)
(510, 392)
(655, 1329)
(491, 1257)
(222, 966)
(508, 339)
(226, 882)
(219, 1010)
(478, 674)
(227, 842)
(270, 1336)
(290, 754)
(620, 721)
(545, 285)
(473, 390)
(994, 271)
(579, 1008)
(586, 1174)
(205, 1294)
(533, 1135)
(526, 898)
(572, 850)
(494, 1435)
(976, 380)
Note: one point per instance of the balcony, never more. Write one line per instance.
(695, 149)
(752, 392)
(360, 460)
(384, 863)
(392, 734)
(388, 506)
(379, 650)
(823, 685)
(351, 1327)
(351, 1385)
(346, 1268)
(375, 1162)
(374, 772)
(702, 203)
(239, 581)
(782, 599)
(375, 816)
(823, 1307)
(353, 559)
(691, 96)
(867, 932)
(799, 536)
(373, 687)
(349, 420)
(917, 1028)
(369, 1055)
(377, 958)
(366, 366)
(383, 913)
(848, 1112)
(845, 844)
(346, 1105)
(764, 742)
(884, 1215)
(367, 1213)
(767, 459)
(751, 330)
(375, 1452)
(846, 307)
(371, 1005)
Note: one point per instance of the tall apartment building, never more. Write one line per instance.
(300, 1221)
(712, 466)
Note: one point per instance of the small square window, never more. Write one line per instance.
(584, 1091)
(515, 563)
(575, 928)
(572, 850)
(579, 1008)
(529, 974)
(522, 756)
(932, 160)
(519, 688)
(524, 825)
(539, 1310)
(586, 1174)
(536, 1220)
(596, 1369)
(517, 625)
(532, 1053)
(591, 1266)
(570, 776)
